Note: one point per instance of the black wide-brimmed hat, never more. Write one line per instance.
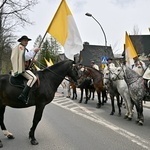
(24, 37)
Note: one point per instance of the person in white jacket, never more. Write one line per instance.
(110, 64)
(93, 65)
(20, 57)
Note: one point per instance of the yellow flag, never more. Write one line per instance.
(130, 51)
(36, 67)
(50, 61)
(63, 28)
(47, 63)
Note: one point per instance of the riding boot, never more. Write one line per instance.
(24, 95)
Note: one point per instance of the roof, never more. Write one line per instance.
(141, 44)
(95, 53)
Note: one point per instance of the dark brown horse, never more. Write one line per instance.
(39, 96)
(97, 77)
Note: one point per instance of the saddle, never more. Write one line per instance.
(21, 81)
(18, 81)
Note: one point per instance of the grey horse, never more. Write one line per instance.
(136, 88)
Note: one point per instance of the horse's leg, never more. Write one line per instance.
(37, 117)
(112, 105)
(103, 97)
(86, 96)
(121, 101)
(118, 104)
(141, 117)
(81, 95)
(75, 90)
(8, 134)
(99, 103)
(137, 110)
(89, 96)
(93, 94)
(73, 94)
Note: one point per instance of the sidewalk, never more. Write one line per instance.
(146, 104)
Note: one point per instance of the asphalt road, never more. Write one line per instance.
(68, 125)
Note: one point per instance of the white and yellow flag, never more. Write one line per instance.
(63, 28)
(130, 52)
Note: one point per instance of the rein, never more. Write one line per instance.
(56, 73)
(59, 75)
(126, 78)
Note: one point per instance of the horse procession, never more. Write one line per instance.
(121, 82)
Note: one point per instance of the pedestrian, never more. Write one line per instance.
(20, 57)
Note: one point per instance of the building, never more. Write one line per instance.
(141, 44)
(96, 53)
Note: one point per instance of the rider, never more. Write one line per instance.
(146, 76)
(138, 62)
(93, 65)
(110, 64)
(19, 58)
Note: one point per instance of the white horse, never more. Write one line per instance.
(122, 88)
(112, 90)
(136, 87)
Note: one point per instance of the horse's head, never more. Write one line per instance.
(86, 72)
(118, 74)
(73, 72)
(106, 78)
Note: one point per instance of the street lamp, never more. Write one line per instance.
(90, 15)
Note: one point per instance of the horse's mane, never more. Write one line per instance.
(131, 75)
(53, 67)
(99, 72)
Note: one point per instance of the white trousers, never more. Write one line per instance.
(30, 77)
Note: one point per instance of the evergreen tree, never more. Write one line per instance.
(49, 50)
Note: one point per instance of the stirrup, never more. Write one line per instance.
(23, 99)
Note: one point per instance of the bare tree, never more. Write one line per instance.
(136, 30)
(13, 13)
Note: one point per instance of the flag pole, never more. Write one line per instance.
(45, 33)
(38, 47)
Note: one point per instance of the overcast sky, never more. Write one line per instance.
(115, 16)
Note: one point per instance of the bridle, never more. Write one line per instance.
(117, 75)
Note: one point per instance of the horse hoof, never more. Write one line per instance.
(111, 113)
(85, 102)
(129, 118)
(119, 114)
(140, 123)
(98, 105)
(137, 121)
(125, 117)
(34, 142)
(10, 137)
(1, 145)
(80, 101)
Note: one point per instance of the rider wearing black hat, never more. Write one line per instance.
(19, 56)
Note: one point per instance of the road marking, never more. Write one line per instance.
(84, 112)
